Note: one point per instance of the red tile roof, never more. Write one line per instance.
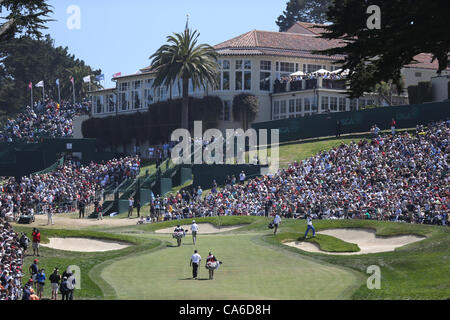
(423, 61)
(307, 28)
(258, 42)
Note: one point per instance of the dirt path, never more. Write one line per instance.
(69, 223)
(366, 240)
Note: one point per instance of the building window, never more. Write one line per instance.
(333, 103)
(342, 104)
(276, 110)
(149, 93)
(124, 96)
(361, 103)
(266, 65)
(99, 104)
(264, 75)
(307, 104)
(243, 75)
(224, 75)
(298, 105)
(291, 106)
(285, 69)
(136, 99)
(283, 107)
(111, 102)
(324, 104)
(314, 104)
(136, 95)
(313, 68)
(225, 115)
(353, 104)
(418, 74)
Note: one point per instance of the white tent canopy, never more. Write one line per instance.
(345, 72)
(298, 73)
(321, 71)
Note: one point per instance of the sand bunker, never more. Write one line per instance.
(84, 245)
(203, 228)
(364, 238)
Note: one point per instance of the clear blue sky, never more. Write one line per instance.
(119, 36)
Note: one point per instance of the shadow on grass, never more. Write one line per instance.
(198, 279)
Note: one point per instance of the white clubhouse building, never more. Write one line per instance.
(252, 63)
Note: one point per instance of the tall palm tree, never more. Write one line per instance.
(181, 58)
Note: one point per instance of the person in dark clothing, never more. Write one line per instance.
(64, 289)
(26, 292)
(138, 208)
(338, 128)
(55, 279)
(24, 241)
(81, 207)
(34, 270)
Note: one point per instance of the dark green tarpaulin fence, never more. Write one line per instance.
(323, 125)
(204, 174)
(20, 159)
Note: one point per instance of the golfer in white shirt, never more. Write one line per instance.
(276, 222)
(310, 227)
(194, 228)
(49, 216)
(195, 261)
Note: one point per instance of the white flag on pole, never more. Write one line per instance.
(87, 79)
(40, 84)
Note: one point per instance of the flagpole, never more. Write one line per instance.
(32, 108)
(73, 86)
(59, 94)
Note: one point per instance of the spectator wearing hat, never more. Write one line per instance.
(64, 289)
(24, 241)
(34, 270)
(55, 279)
(36, 241)
(40, 279)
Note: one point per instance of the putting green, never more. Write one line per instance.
(250, 271)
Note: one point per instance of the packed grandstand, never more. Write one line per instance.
(46, 119)
(402, 177)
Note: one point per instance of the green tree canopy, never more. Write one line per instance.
(28, 60)
(408, 28)
(313, 11)
(22, 18)
(245, 108)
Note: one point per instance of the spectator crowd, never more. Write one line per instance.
(310, 76)
(47, 119)
(60, 190)
(403, 177)
(11, 262)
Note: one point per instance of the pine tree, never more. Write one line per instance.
(23, 17)
(313, 11)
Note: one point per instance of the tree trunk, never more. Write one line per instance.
(185, 105)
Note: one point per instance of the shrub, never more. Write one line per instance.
(155, 125)
(245, 108)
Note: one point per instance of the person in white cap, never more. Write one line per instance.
(194, 228)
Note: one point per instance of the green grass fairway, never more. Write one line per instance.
(250, 271)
